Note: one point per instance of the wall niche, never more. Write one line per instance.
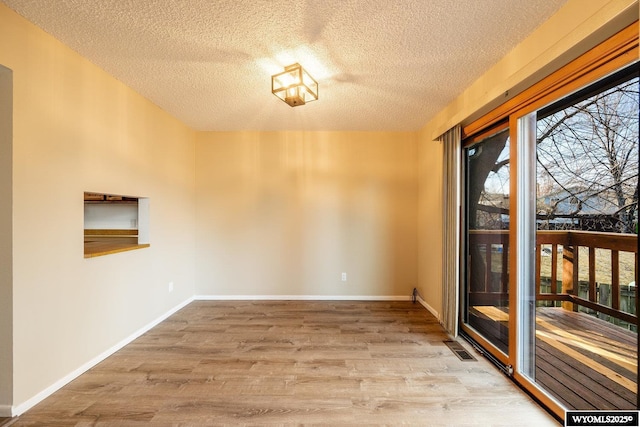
(114, 223)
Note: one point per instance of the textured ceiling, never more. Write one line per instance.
(381, 64)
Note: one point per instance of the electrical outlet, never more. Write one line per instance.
(344, 277)
(170, 287)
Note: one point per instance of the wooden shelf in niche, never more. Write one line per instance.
(98, 242)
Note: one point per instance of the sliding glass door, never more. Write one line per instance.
(585, 216)
(549, 261)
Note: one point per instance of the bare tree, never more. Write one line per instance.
(588, 157)
(587, 175)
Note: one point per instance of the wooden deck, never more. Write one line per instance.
(585, 362)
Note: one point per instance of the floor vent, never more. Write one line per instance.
(459, 351)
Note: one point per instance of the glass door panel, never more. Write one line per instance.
(586, 216)
(487, 247)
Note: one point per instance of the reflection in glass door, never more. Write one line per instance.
(487, 220)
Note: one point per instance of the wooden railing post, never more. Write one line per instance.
(593, 294)
(615, 280)
(487, 271)
(568, 287)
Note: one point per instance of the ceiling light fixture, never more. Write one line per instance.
(294, 85)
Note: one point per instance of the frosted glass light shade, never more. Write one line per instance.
(294, 86)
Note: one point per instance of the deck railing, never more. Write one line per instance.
(565, 244)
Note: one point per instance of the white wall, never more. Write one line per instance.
(77, 128)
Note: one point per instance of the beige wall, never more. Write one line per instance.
(578, 26)
(6, 240)
(430, 205)
(285, 213)
(77, 129)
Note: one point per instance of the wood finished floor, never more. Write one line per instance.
(290, 363)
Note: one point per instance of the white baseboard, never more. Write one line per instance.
(302, 297)
(20, 409)
(428, 307)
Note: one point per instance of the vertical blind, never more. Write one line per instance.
(451, 221)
